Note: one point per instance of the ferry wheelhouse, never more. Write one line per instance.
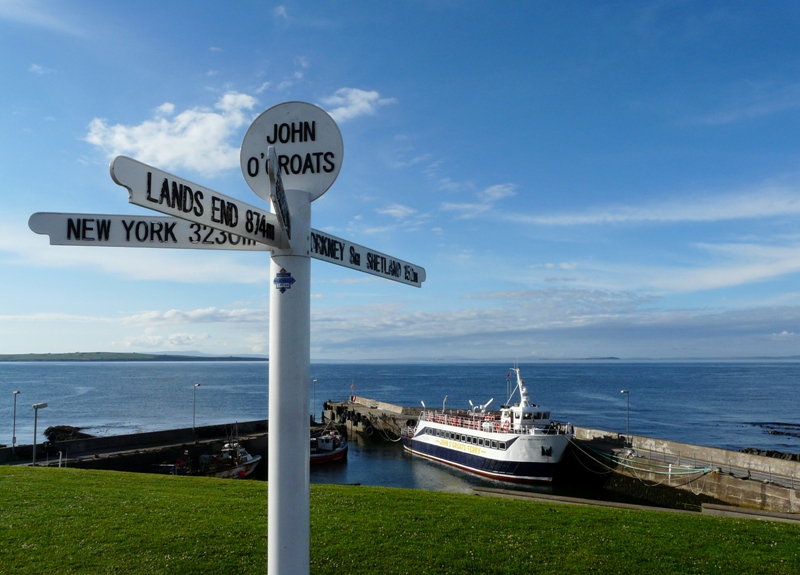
(520, 443)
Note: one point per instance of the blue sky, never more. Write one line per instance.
(579, 179)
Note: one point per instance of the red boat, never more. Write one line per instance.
(328, 448)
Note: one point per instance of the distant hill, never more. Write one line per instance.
(107, 356)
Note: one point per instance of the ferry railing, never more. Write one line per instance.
(476, 423)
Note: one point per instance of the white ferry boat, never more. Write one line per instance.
(520, 444)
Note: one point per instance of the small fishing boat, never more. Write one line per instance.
(328, 448)
(231, 462)
(520, 444)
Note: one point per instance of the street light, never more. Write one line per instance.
(36, 408)
(194, 407)
(314, 405)
(628, 424)
(14, 432)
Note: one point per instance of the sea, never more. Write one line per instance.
(725, 404)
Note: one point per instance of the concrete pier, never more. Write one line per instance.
(371, 418)
(741, 479)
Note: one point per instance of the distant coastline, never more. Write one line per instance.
(108, 356)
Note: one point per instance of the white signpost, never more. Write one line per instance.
(157, 190)
(290, 156)
(120, 231)
(329, 248)
(136, 232)
(304, 148)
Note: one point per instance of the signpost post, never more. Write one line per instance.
(304, 148)
(290, 156)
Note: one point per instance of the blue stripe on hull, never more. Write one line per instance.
(519, 471)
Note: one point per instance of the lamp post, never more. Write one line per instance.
(194, 407)
(36, 408)
(628, 420)
(314, 404)
(14, 432)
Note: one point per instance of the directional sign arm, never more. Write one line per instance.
(345, 253)
(135, 232)
(157, 190)
(277, 194)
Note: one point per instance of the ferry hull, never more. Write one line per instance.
(504, 470)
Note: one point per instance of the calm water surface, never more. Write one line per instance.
(722, 404)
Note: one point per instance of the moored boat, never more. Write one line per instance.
(328, 448)
(520, 443)
(231, 462)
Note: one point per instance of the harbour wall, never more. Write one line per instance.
(687, 453)
(645, 464)
(103, 449)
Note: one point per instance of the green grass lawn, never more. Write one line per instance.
(79, 521)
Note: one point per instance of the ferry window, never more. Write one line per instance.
(547, 415)
(516, 416)
(526, 416)
(501, 445)
(475, 440)
(537, 415)
(480, 441)
(494, 445)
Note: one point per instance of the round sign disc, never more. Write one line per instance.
(307, 143)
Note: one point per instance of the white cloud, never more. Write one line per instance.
(783, 336)
(175, 341)
(196, 139)
(487, 198)
(750, 100)
(398, 164)
(166, 109)
(398, 211)
(768, 201)
(498, 192)
(37, 69)
(750, 263)
(205, 315)
(36, 13)
(349, 103)
(154, 319)
(466, 210)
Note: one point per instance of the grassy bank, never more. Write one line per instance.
(72, 521)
